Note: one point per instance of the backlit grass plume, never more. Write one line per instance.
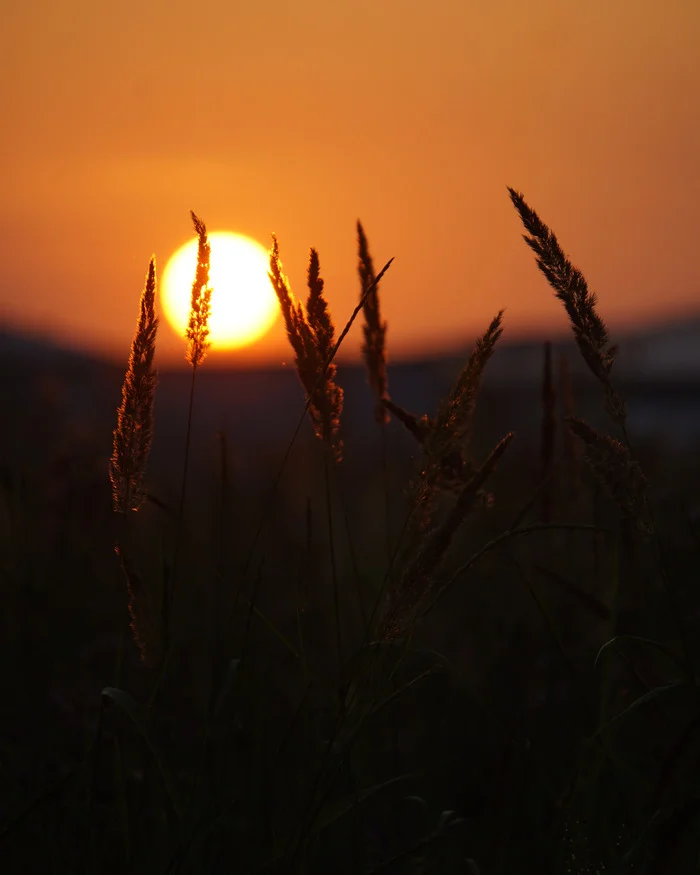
(134, 432)
(197, 346)
(445, 438)
(374, 347)
(311, 334)
(453, 422)
(200, 306)
(571, 288)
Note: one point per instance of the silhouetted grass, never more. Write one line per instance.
(522, 697)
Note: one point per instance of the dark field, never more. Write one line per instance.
(495, 738)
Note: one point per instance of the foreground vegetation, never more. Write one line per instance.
(503, 680)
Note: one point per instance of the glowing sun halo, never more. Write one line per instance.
(243, 303)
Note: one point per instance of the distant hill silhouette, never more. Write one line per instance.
(57, 398)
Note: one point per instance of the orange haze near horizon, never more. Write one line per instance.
(299, 118)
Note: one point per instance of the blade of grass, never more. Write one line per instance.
(650, 696)
(351, 547)
(338, 809)
(254, 609)
(585, 599)
(637, 639)
(501, 539)
(314, 810)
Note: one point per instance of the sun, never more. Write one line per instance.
(243, 303)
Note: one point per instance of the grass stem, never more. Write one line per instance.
(334, 569)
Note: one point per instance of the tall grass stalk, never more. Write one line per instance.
(197, 346)
(133, 435)
(132, 441)
(223, 526)
(418, 577)
(311, 393)
(549, 429)
(444, 466)
(614, 463)
(580, 303)
(334, 569)
(521, 531)
(353, 554)
(375, 356)
(288, 450)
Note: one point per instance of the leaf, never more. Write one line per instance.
(664, 648)
(417, 800)
(400, 691)
(139, 718)
(585, 598)
(340, 807)
(448, 819)
(649, 696)
(271, 626)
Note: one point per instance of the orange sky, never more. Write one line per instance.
(299, 117)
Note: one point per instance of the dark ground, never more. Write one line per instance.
(520, 650)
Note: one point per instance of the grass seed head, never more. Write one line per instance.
(200, 305)
(374, 347)
(134, 432)
(446, 460)
(571, 288)
(445, 438)
(317, 309)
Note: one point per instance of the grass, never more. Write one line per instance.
(492, 670)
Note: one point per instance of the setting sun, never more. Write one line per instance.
(243, 303)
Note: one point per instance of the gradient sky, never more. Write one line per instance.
(299, 117)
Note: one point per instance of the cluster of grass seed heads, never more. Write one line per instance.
(446, 468)
(445, 438)
(311, 333)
